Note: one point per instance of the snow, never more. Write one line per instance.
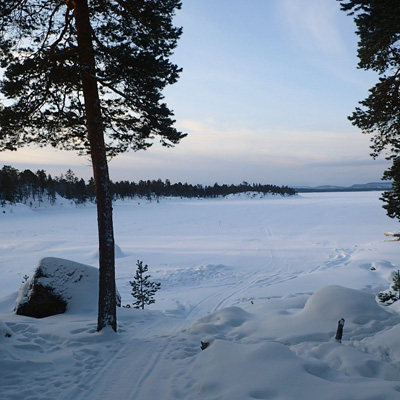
(263, 280)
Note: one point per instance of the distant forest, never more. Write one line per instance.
(21, 187)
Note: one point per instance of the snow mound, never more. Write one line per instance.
(5, 331)
(219, 323)
(117, 252)
(335, 302)
(272, 370)
(386, 268)
(316, 321)
(252, 353)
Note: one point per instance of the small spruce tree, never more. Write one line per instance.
(142, 289)
(390, 296)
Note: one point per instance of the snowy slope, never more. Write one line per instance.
(264, 281)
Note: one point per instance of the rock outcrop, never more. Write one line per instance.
(59, 285)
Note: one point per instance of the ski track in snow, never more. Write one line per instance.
(127, 369)
(133, 363)
(137, 359)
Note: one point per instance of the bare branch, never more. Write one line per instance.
(68, 18)
(135, 101)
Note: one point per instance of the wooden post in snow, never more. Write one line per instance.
(339, 332)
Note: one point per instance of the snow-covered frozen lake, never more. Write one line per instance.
(263, 280)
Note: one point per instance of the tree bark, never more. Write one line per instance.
(107, 292)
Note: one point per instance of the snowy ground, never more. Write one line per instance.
(264, 280)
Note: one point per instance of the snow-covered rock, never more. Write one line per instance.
(59, 285)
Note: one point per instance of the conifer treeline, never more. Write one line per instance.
(19, 187)
(16, 186)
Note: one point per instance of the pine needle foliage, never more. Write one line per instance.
(391, 297)
(143, 290)
(378, 28)
(43, 58)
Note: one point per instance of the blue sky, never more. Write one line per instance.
(264, 96)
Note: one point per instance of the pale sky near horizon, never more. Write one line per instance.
(264, 96)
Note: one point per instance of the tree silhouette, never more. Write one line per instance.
(88, 76)
(143, 290)
(378, 27)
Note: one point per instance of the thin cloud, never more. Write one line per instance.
(313, 26)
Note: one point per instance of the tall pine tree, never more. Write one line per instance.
(88, 76)
(378, 27)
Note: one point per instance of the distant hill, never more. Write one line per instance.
(359, 187)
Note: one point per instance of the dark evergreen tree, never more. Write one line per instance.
(80, 192)
(29, 184)
(51, 192)
(378, 27)
(392, 197)
(143, 290)
(9, 184)
(88, 76)
(71, 182)
(61, 185)
(90, 189)
(41, 179)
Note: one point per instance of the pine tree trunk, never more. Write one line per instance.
(107, 293)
